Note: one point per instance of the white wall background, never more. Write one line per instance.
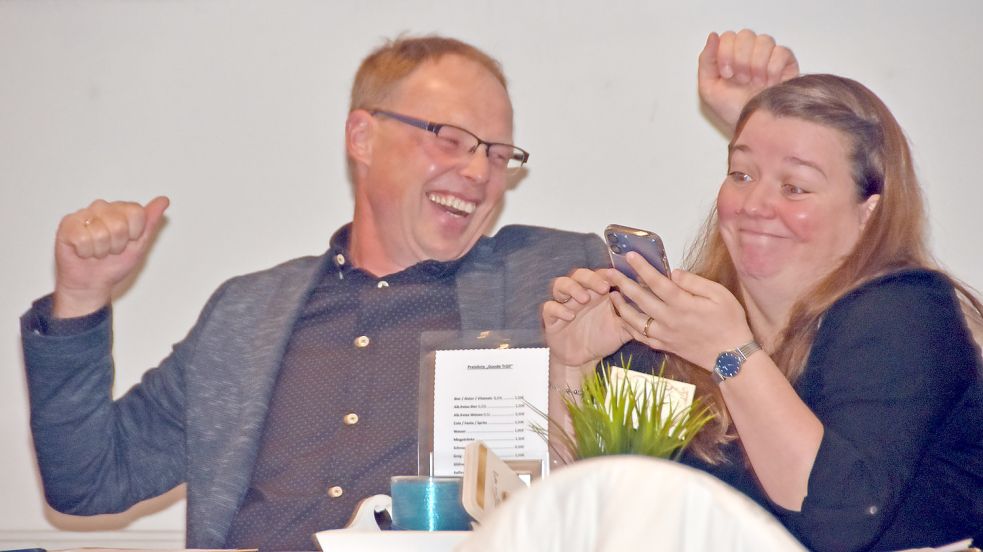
(235, 109)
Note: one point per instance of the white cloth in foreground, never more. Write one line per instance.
(623, 503)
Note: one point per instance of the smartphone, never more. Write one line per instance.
(622, 239)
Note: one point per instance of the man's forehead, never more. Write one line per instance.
(456, 66)
(454, 86)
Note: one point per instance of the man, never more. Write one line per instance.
(294, 396)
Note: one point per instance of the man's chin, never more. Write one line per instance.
(450, 251)
(443, 243)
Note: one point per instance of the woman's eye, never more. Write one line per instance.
(792, 189)
(738, 176)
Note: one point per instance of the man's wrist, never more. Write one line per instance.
(69, 304)
(45, 323)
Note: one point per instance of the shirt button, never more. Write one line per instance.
(339, 259)
(872, 510)
(351, 418)
(362, 341)
(335, 492)
(382, 284)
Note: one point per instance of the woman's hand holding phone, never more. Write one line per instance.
(688, 315)
(580, 323)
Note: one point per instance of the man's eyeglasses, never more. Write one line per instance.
(458, 142)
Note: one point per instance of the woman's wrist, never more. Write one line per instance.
(567, 377)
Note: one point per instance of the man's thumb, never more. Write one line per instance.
(155, 214)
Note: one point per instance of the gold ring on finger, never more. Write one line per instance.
(645, 330)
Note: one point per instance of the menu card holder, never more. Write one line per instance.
(433, 341)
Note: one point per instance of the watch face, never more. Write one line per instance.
(728, 365)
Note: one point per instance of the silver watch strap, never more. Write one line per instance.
(749, 348)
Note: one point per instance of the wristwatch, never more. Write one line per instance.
(729, 362)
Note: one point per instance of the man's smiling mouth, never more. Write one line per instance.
(452, 204)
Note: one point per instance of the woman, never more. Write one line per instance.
(846, 369)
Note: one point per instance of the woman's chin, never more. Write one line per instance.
(758, 270)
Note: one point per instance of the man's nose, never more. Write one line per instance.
(477, 167)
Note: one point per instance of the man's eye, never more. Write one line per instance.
(498, 157)
(449, 143)
(738, 176)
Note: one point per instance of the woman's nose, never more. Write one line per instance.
(759, 200)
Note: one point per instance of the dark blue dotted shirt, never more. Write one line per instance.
(343, 417)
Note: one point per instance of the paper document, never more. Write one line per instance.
(484, 395)
(677, 394)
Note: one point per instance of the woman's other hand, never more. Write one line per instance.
(733, 67)
(580, 322)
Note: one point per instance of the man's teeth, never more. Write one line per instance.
(455, 203)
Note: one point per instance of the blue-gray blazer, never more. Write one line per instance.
(198, 416)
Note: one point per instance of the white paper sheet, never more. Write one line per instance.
(678, 394)
(485, 394)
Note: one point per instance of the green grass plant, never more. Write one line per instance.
(622, 417)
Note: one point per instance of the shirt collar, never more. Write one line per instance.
(339, 258)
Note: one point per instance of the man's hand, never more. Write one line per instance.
(733, 67)
(98, 247)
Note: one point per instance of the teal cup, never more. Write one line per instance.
(424, 503)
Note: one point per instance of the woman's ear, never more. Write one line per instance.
(867, 208)
(359, 129)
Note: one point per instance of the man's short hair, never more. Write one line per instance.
(382, 71)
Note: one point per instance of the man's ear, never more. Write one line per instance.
(867, 208)
(359, 130)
